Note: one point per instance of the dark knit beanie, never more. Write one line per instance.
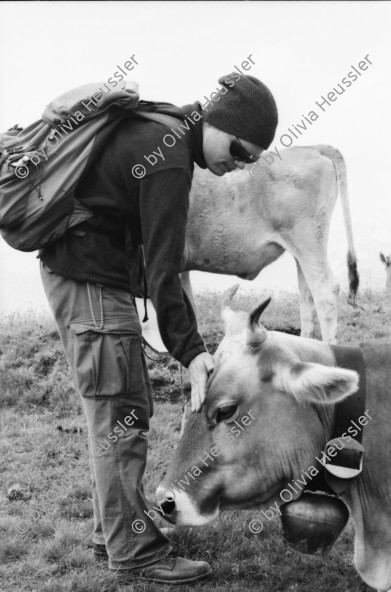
(246, 108)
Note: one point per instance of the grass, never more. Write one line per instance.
(45, 505)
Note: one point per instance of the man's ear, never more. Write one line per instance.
(315, 383)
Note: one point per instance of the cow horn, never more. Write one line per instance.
(256, 313)
(228, 295)
(257, 334)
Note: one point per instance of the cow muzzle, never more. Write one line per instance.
(178, 508)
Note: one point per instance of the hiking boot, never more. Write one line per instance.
(172, 571)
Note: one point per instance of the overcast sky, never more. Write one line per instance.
(301, 51)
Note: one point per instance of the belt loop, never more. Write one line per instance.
(101, 322)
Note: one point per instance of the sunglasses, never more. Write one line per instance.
(239, 152)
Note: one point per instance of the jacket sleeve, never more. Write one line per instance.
(164, 203)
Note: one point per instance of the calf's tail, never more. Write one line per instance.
(340, 170)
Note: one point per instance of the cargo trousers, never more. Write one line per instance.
(101, 335)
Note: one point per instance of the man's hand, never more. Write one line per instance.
(200, 367)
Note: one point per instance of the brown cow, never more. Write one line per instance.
(268, 414)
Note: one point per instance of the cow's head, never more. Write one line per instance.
(267, 415)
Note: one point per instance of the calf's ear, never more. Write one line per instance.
(315, 383)
(382, 258)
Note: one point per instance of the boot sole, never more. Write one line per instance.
(205, 576)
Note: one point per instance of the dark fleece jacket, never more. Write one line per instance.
(128, 212)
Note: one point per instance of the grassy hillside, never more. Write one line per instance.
(45, 506)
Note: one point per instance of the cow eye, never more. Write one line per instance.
(227, 412)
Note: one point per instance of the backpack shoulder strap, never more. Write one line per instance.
(163, 118)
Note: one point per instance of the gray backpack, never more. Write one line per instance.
(41, 164)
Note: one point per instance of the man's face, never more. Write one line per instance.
(216, 148)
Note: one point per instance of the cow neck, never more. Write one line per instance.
(348, 410)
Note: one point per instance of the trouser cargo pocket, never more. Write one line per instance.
(107, 361)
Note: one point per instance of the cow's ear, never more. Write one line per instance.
(382, 258)
(315, 383)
